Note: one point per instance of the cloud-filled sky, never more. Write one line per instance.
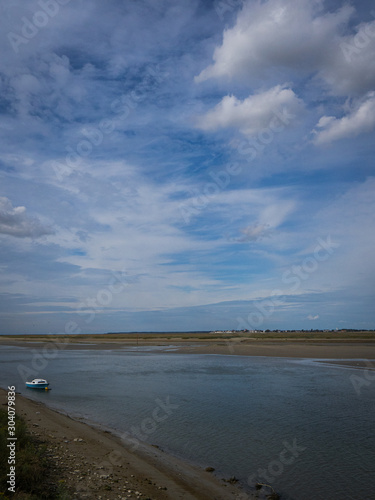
(186, 165)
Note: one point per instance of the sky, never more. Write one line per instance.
(179, 165)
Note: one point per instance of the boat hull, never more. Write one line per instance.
(37, 386)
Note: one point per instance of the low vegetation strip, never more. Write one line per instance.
(34, 469)
(208, 336)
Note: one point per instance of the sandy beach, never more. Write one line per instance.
(96, 464)
(312, 350)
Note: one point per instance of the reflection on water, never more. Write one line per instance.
(295, 424)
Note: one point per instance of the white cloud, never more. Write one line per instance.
(271, 214)
(253, 114)
(254, 232)
(140, 228)
(281, 38)
(361, 119)
(50, 84)
(312, 318)
(15, 222)
(276, 33)
(350, 70)
(16, 160)
(120, 207)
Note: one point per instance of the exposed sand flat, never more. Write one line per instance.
(96, 464)
(318, 350)
(338, 349)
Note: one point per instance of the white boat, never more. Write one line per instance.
(38, 383)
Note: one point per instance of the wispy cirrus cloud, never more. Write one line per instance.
(195, 109)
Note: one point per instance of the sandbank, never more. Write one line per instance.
(349, 352)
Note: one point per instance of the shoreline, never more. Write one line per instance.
(95, 463)
(357, 354)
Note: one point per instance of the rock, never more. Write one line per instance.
(209, 469)
(231, 480)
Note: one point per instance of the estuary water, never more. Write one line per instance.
(306, 428)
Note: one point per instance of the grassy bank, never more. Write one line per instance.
(35, 475)
(152, 337)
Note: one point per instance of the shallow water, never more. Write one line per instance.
(295, 424)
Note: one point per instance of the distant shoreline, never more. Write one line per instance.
(349, 352)
(346, 334)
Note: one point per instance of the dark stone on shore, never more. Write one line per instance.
(231, 480)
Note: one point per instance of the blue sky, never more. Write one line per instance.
(186, 165)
